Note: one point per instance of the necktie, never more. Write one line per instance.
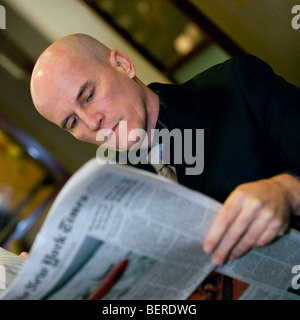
(155, 159)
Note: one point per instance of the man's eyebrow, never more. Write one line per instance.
(79, 95)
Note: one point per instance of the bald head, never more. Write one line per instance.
(63, 55)
(82, 86)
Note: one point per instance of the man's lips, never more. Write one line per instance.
(105, 134)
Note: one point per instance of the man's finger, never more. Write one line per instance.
(274, 229)
(222, 222)
(24, 254)
(248, 240)
(236, 231)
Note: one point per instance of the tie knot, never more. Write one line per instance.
(168, 172)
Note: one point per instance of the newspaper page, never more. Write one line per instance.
(117, 233)
(10, 265)
(269, 270)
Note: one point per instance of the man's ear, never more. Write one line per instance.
(119, 59)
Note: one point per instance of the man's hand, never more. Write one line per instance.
(24, 254)
(252, 216)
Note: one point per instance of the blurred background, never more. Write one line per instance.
(168, 40)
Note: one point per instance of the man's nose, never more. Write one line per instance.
(91, 119)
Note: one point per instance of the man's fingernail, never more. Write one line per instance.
(207, 248)
(217, 260)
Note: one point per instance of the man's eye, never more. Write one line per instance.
(74, 122)
(90, 96)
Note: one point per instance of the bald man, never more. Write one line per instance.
(250, 117)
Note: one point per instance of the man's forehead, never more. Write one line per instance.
(59, 76)
(55, 94)
(58, 71)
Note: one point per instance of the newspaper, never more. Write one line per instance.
(268, 270)
(10, 265)
(116, 232)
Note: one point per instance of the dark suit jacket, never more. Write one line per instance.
(251, 122)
